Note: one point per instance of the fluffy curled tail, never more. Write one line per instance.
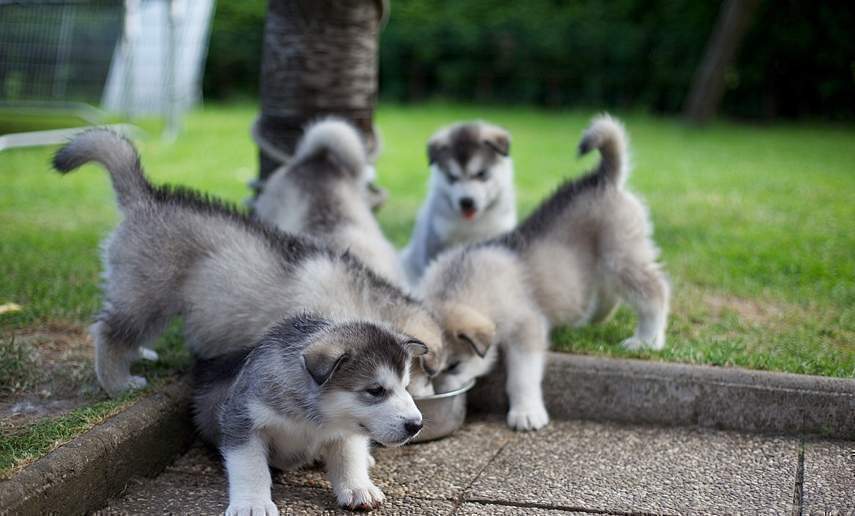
(607, 135)
(115, 153)
(337, 137)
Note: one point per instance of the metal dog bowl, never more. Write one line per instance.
(442, 413)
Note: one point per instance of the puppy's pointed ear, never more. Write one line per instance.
(479, 342)
(471, 327)
(376, 195)
(435, 150)
(322, 358)
(416, 347)
(498, 140)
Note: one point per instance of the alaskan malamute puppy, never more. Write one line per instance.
(585, 249)
(231, 278)
(326, 192)
(471, 193)
(310, 390)
(375, 195)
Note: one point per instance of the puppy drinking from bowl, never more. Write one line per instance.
(179, 253)
(586, 248)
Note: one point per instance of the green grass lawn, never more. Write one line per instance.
(755, 223)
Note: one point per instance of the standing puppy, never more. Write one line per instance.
(471, 193)
(586, 248)
(327, 191)
(231, 278)
(309, 390)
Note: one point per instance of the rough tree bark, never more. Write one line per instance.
(708, 84)
(319, 58)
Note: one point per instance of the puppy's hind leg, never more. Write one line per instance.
(118, 341)
(646, 290)
(525, 360)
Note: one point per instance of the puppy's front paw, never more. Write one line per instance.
(365, 498)
(371, 461)
(252, 508)
(137, 382)
(635, 343)
(148, 354)
(528, 418)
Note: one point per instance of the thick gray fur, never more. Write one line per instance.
(327, 191)
(231, 278)
(273, 374)
(310, 390)
(584, 250)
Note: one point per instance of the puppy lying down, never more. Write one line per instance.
(309, 390)
(179, 253)
(327, 191)
(585, 249)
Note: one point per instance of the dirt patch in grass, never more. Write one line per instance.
(47, 372)
(49, 393)
(755, 312)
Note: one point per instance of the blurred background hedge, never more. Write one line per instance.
(797, 60)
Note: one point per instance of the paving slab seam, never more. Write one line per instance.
(559, 507)
(461, 499)
(798, 485)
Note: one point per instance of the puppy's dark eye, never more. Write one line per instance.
(451, 179)
(376, 391)
(483, 175)
(452, 367)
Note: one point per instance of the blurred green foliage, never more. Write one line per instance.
(798, 58)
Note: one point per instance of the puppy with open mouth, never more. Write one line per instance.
(179, 253)
(328, 191)
(310, 390)
(586, 248)
(471, 193)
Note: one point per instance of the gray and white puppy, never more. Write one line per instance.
(586, 248)
(326, 191)
(179, 253)
(471, 193)
(374, 194)
(310, 390)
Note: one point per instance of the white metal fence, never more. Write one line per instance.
(87, 58)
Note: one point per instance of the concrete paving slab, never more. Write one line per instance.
(604, 467)
(439, 470)
(829, 478)
(182, 493)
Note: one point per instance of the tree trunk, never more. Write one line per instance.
(708, 84)
(319, 58)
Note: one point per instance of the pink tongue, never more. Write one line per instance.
(469, 214)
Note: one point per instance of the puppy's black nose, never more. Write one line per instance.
(412, 427)
(467, 204)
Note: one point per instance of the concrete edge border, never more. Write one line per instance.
(82, 475)
(672, 394)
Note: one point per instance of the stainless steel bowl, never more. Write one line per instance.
(442, 413)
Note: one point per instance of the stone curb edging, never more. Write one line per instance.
(637, 391)
(82, 475)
